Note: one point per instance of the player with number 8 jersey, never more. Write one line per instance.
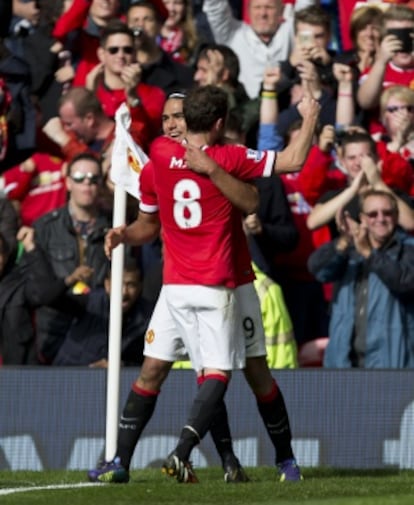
(196, 217)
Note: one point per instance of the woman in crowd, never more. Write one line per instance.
(397, 112)
(178, 34)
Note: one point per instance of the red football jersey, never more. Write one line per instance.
(200, 229)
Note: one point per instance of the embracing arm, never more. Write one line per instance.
(242, 195)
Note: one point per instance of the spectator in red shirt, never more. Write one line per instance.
(81, 125)
(37, 185)
(117, 79)
(397, 112)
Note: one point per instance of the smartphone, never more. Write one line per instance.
(405, 35)
(306, 38)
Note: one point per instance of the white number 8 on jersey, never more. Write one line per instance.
(187, 208)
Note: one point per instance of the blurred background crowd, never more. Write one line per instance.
(332, 245)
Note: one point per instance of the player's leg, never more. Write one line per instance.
(206, 318)
(140, 406)
(221, 435)
(160, 353)
(269, 397)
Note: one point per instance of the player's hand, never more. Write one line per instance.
(113, 238)
(199, 161)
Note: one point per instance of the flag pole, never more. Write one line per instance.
(127, 161)
(115, 330)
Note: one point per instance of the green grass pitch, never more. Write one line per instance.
(147, 487)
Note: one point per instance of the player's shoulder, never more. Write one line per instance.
(225, 149)
(164, 145)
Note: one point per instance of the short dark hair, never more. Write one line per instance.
(130, 264)
(84, 101)
(149, 5)
(203, 106)
(115, 27)
(84, 157)
(230, 60)
(358, 137)
(313, 15)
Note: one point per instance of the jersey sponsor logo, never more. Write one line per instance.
(177, 163)
(149, 337)
(252, 154)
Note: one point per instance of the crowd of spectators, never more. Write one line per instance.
(333, 237)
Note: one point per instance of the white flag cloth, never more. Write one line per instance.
(128, 158)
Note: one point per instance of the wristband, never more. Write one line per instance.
(268, 94)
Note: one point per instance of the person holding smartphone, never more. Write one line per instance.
(394, 62)
(312, 26)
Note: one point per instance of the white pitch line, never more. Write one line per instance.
(44, 488)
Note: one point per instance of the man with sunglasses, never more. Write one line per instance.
(117, 79)
(372, 267)
(71, 236)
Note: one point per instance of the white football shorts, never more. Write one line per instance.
(202, 320)
(251, 322)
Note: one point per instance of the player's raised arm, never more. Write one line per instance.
(292, 158)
